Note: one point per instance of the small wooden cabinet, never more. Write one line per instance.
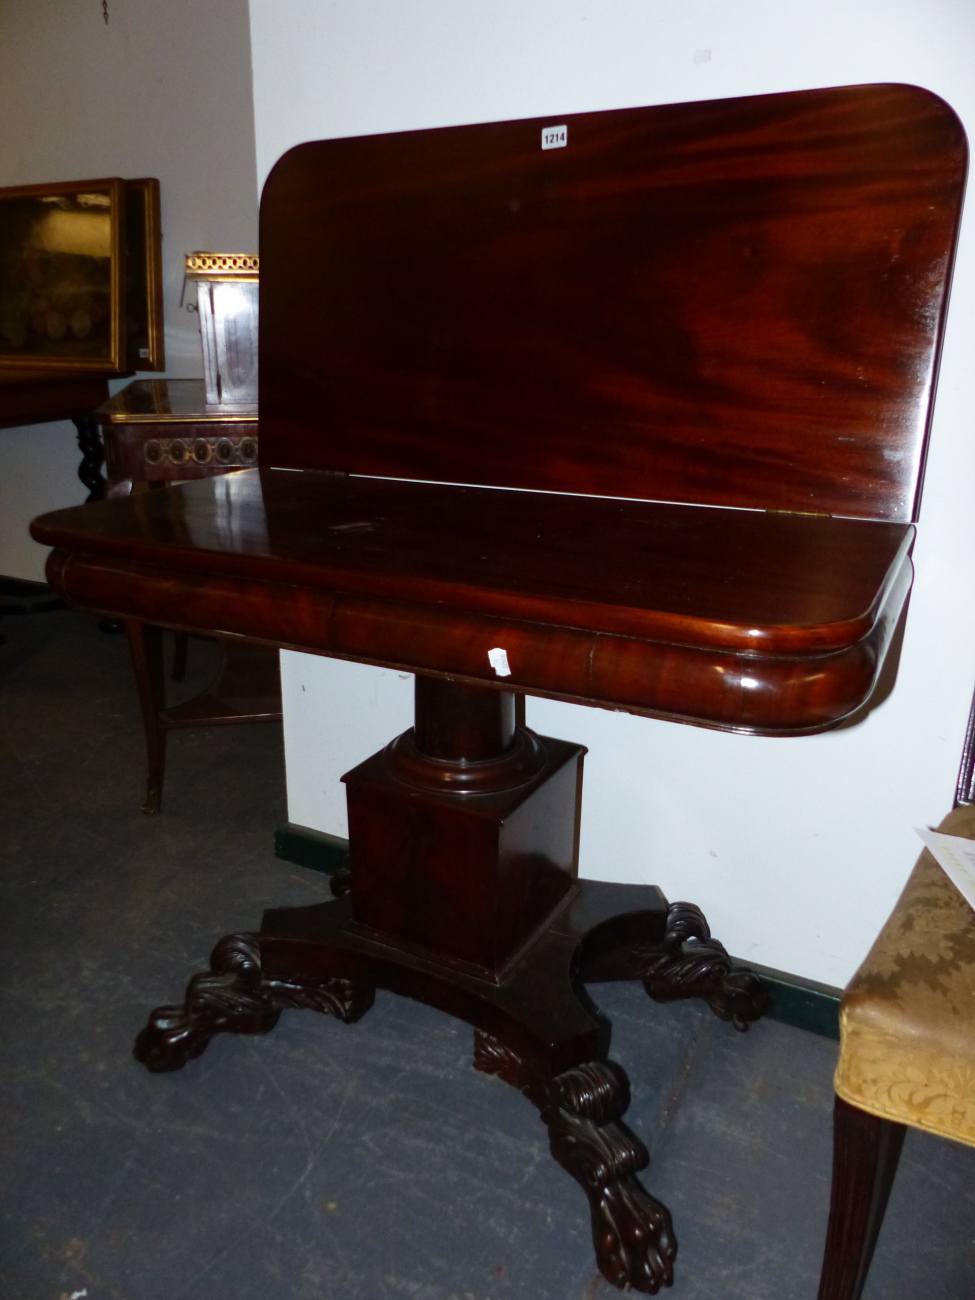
(160, 431)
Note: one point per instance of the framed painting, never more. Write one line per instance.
(143, 276)
(62, 276)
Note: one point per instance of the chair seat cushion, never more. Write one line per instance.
(907, 1019)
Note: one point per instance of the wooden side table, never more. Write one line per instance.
(158, 432)
(36, 397)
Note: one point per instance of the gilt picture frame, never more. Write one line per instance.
(62, 276)
(143, 276)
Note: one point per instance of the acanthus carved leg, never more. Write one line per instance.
(693, 965)
(234, 997)
(582, 1108)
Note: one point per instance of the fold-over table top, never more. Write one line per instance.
(735, 302)
(726, 579)
(591, 598)
(736, 306)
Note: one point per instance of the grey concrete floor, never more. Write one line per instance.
(333, 1162)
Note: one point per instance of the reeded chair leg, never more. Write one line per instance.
(865, 1155)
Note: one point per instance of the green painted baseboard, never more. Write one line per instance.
(308, 848)
(795, 1001)
(800, 1002)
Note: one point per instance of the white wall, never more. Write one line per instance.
(161, 90)
(796, 848)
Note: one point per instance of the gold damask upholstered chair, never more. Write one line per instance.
(907, 1057)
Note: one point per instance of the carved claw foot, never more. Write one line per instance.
(233, 997)
(693, 965)
(632, 1231)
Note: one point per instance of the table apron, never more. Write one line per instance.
(793, 694)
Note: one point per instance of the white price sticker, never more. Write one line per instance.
(498, 659)
(555, 137)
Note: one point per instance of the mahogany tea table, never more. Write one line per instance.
(667, 374)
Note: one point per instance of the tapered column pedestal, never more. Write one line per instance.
(463, 894)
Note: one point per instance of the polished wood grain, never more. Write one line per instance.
(159, 430)
(737, 302)
(746, 620)
(866, 1152)
(683, 312)
(467, 880)
(464, 786)
(739, 580)
(33, 397)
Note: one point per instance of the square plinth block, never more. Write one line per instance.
(464, 877)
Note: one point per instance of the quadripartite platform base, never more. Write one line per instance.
(537, 1028)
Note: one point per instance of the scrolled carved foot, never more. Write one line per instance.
(693, 965)
(632, 1231)
(229, 998)
(233, 997)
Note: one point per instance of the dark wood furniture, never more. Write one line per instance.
(907, 1053)
(35, 397)
(39, 396)
(907, 1048)
(709, 328)
(158, 432)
